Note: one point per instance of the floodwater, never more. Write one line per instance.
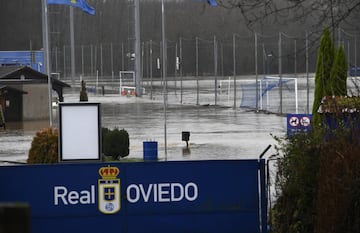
(216, 132)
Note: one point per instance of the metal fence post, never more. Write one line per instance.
(151, 75)
(175, 73)
(197, 70)
(101, 61)
(256, 72)
(295, 57)
(82, 60)
(307, 72)
(280, 74)
(122, 57)
(355, 58)
(56, 60)
(64, 57)
(91, 60)
(181, 71)
(112, 62)
(95, 61)
(234, 69)
(215, 68)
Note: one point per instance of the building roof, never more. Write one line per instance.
(339, 104)
(14, 72)
(12, 75)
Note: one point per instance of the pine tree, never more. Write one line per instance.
(322, 74)
(338, 74)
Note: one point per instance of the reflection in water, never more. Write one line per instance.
(186, 151)
(216, 132)
(15, 140)
(27, 125)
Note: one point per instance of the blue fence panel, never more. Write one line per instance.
(184, 196)
(33, 59)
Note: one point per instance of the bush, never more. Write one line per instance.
(338, 187)
(44, 147)
(296, 185)
(115, 143)
(318, 183)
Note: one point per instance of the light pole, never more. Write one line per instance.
(47, 55)
(164, 72)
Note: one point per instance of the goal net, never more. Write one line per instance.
(270, 91)
(127, 82)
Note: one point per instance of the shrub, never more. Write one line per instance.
(115, 143)
(296, 184)
(318, 183)
(338, 187)
(44, 147)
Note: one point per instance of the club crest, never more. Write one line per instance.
(109, 190)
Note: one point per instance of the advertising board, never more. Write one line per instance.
(79, 132)
(183, 196)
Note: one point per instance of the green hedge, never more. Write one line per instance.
(115, 143)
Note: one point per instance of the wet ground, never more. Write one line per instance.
(216, 132)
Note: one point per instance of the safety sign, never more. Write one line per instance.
(298, 123)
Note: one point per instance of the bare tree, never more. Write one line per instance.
(319, 13)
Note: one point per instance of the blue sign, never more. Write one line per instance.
(298, 123)
(184, 196)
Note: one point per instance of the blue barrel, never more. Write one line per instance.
(150, 151)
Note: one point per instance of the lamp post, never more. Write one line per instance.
(45, 35)
(164, 72)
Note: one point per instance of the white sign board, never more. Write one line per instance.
(79, 131)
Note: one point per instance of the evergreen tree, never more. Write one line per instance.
(338, 74)
(324, 64)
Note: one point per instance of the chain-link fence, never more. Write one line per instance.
(205, 71)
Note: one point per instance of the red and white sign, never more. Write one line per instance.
(294, 121)
(305, 121)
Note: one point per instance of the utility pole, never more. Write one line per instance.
(46, 43)
(164, 73)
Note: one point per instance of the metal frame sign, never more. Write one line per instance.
(182, 196)
(79, 131)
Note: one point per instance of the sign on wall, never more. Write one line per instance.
(186, 196)
(79, 131)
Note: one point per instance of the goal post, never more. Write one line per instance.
(269, 93)
(127, 83)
